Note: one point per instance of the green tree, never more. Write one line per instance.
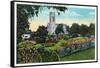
(92, 29)
(41, 34)
(42, 31)
(84, 30)
(24, 12)
(59, 29)
(75, 28)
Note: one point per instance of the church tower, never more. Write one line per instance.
(52, 17)
(51, 27)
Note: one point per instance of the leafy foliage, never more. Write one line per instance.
(59, 29)
(75, 28)
(42, 31)
(41, 34)
(92, 29)
(61, 42)
(26, 53)
(48, 56)
(84, 29)
(66, 37)
(24, 12)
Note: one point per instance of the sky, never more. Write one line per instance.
(74, 14)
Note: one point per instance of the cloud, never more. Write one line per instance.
(73, 13)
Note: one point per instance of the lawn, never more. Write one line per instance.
(81, 55)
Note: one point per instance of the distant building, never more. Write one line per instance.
(51, 26)
(26, 36)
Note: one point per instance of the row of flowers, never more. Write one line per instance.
(28, 52)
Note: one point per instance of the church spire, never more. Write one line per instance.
(51, 16)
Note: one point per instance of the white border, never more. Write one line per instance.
(59, 62)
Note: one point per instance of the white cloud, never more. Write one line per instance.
(73, 13)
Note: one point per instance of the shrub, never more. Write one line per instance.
(49, 44)
(49, 56)
(40, 39)
(66, 37)
(37, 46)
(60, 43)
(26, 53)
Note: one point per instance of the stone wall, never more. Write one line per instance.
(74, 48)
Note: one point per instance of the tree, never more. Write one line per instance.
(84, 30)
(59, 29)
(92, 29)
(42, 31)
(24, 12)
(75, 28)
(41, 34)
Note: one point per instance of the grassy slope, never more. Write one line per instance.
(82, 55)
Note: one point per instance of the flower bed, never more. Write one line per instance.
(28, 52)
(64, 47)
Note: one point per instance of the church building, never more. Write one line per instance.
(52, 25)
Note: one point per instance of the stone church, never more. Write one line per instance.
(52, 25)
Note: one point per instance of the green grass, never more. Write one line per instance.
(88, 54)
